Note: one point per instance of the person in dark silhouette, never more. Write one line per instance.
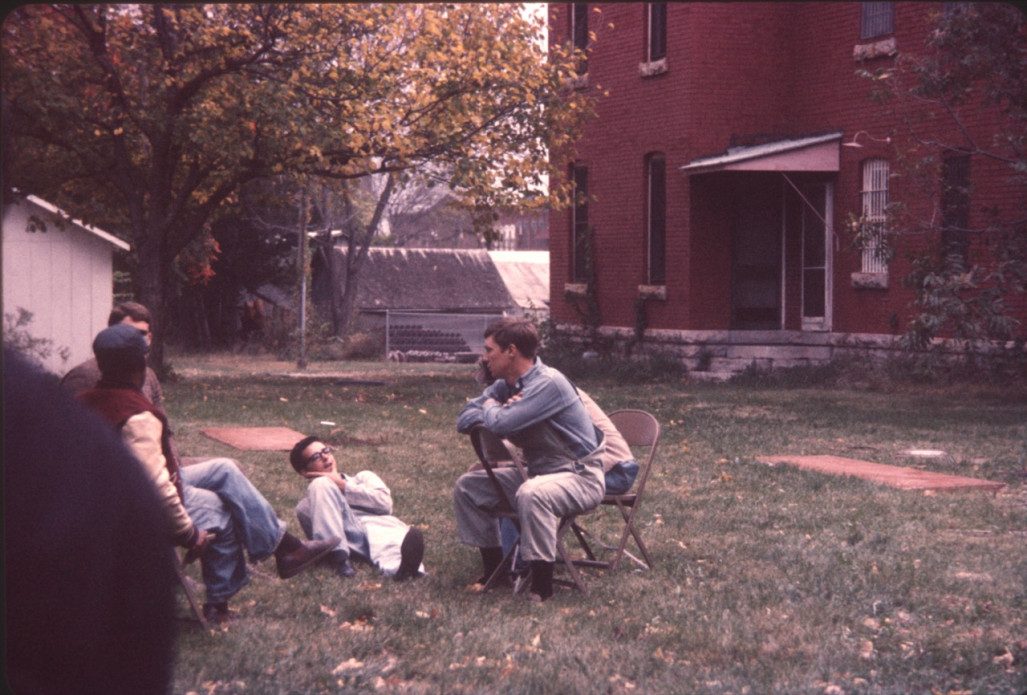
(90, 603)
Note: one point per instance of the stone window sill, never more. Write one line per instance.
(575, 289)
(651, 69)
(875, 49)
(652, 292)
(870, 281)
(579, 82)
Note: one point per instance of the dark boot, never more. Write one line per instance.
(411, 552)
(490, 560)
(218, 613)
(541, 580)
(340, 562)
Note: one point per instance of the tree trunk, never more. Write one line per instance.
(359, 246)
(151, 285)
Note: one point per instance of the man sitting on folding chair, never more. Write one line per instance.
(619, 466)
(537, 409)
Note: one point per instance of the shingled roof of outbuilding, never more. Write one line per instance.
(443, 280)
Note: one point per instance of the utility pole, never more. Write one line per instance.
(302, 266)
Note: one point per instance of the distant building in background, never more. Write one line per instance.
(437, 221)
(523, 231)
(431, 304)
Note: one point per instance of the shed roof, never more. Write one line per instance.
(54, 210)
(526, 274)
(442, 280)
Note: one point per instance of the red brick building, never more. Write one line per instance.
(733, 142)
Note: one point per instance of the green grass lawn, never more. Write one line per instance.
(766, 580)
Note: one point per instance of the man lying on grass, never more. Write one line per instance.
(357, 509)
(538, 410)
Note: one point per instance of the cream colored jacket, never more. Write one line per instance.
(142, 434)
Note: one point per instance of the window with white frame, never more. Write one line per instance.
(579, 31)
(955, 210)
(656, 31)
(875, 203)
(580, 246)
(876, 19)
(656, 219)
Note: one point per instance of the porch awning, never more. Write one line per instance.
(816, 153)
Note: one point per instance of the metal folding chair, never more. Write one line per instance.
(640, 429)
(187, 586)
(492, 450)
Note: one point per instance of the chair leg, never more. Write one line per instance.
(590, 559)
(580, 534)
(501, 568)
(629, 529)
(189, 593)
(561, 553)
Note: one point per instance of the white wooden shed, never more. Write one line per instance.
(60, 270)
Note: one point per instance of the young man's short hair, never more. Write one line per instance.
(514, 331)
(132, 310)
(296, 457)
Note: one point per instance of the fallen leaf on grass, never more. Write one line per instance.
(617, 679)
(1004, 659)
(348, 666)
(356, 626)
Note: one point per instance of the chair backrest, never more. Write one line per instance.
(639, 429)
(492, 450)
(489, 447)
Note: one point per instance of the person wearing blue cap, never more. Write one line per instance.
(211, 508)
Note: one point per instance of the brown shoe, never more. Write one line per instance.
(218, 613)
(304, 557)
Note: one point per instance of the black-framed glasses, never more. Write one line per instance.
(318, 455)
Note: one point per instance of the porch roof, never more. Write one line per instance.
(816, 153)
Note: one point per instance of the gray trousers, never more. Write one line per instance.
(540, 502)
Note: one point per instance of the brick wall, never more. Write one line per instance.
(734, 71)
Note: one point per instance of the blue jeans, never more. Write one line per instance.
(220, 499)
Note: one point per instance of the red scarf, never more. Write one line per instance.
(116, 403)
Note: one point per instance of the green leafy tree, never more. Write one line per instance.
(964, 96)
(149, 118)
